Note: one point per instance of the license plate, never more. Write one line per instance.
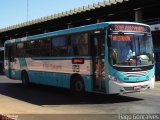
(137, 87)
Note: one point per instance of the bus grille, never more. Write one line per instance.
(136, 74)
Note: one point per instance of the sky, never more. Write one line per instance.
(14, 12)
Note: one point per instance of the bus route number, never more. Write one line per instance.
(75, 68)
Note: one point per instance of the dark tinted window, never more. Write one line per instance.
(78, 45)
(1, 55)
(10, 51)
(59, 46)
(71, 45)
(20, 51)
(38, 48)
(6, 52)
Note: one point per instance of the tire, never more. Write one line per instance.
(77, 86)
(25, 78)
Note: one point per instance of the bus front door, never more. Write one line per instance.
(11, 61)
(98, 49)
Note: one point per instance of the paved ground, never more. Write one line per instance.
(36, 102)
(157, 85)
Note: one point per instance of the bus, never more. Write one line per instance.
(107, 57)
(1, 60)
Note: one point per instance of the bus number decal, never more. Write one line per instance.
(75, 68)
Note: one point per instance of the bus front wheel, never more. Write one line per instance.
(25, 78)
(77, 85)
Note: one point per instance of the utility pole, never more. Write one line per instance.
(27, 10)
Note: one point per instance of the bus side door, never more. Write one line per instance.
(97, 49)
(11, 60)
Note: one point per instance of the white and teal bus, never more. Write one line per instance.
(109, 57)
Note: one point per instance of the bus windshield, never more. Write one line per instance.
(131, 50)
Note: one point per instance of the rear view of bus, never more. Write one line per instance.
(131, 58)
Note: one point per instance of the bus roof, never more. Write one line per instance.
(69, 31)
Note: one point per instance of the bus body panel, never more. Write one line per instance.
(143, 82)
(57, 71)
(48, 72)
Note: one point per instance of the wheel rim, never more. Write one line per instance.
(78, 86)
(24, 79)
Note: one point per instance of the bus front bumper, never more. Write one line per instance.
(117, 87)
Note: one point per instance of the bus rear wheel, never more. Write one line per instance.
(25, 78)
(77, 86)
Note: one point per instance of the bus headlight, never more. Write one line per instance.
(112, 78)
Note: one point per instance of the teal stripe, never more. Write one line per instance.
(57, 79)
(64, 32)
(69, 31)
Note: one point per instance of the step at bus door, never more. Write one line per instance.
(98, 49)
(11, 60)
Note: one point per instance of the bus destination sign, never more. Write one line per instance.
(125, 27)
(121, 38)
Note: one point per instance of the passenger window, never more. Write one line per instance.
(20, 50)
(78, 45)
(59, 46)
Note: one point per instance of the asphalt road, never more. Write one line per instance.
(38, 102)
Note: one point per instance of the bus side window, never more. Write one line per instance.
(20, 49)
(70, 47)
(59, 46)
(10, 52)
(78, 44)
(6, 52)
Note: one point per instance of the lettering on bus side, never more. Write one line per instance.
(76, 68)
(52, 67)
